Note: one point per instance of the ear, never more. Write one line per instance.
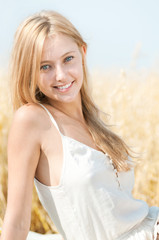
(84, 49)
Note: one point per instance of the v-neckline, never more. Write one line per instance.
(72, 139)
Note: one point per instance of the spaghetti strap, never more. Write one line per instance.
(51, 117)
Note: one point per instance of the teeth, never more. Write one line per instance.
(66, 86)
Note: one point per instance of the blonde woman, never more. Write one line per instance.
(82, 171)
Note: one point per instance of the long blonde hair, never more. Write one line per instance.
(25, 65)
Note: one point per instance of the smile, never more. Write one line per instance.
(67, 86)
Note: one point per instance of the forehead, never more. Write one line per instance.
(57, 45)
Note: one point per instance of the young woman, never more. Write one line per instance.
(82, 171)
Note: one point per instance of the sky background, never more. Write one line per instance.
(120, 34)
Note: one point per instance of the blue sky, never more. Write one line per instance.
(119, 33)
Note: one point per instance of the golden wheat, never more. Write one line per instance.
(132, 100)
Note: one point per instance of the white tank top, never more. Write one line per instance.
(88, 203)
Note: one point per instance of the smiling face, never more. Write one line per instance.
(61, 70)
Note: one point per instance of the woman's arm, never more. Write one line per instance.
(23, 156)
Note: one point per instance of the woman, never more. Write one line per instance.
(82, 171)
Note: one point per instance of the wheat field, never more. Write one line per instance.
(131, 99)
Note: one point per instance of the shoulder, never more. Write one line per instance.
(25, 129)
(27, 113)
(28, 118)
(32, 116)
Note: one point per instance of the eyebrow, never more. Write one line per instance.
(61, 57)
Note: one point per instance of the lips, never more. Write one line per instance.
(66, 86)
(63, 88)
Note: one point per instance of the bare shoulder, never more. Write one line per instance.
(27, 120)
(32, 119)
(28, 114)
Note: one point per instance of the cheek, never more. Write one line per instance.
(77, 71)
(45, 78)
(41, 81)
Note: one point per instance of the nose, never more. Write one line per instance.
(60, 73)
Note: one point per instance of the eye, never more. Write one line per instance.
(45, 67)
(69, 58)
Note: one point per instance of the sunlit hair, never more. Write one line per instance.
(25, 70)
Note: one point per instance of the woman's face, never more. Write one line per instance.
(61, 70)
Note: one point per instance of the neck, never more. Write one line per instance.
(71, 109)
